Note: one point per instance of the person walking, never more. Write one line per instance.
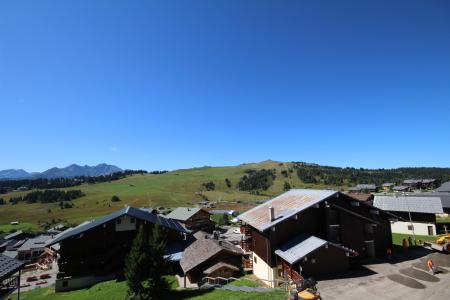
(405, 246)
(389, 253)
(430, 265)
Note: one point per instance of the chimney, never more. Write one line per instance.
(271, 213)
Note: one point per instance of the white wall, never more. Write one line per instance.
(263, 271)
(419, 228)
(125, 224)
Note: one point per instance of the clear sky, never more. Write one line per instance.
(175, 84)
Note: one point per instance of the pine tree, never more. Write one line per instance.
(146, 264)
(135, 266)
(156, 283)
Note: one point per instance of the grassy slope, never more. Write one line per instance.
(177, 188)
(22, 226)
(112, 290)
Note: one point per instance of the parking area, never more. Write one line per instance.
(403, 279)
(38, 278)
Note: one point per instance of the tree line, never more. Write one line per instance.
(257, 180)
(57, 183)
(48, 196)
(311, 173)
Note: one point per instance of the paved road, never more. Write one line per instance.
(404, 280)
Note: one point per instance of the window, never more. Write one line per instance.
(255, 260)
(132, 220)
(119, 221)
(410, 227)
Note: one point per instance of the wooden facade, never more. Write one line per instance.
(200, 220)
(102, 249)
(342, 220)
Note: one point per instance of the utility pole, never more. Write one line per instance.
(410, 220)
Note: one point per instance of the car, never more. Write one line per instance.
(237, 231)
(32, 278)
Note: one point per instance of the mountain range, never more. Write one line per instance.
(73, 170)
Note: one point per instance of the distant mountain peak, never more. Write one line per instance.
(70, 171)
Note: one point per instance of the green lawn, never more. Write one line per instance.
(7, 228)
(112, 290)
(247, 280)
(397, 238)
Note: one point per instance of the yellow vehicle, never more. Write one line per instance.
(443, 239)
(309, 294)
(441, 244)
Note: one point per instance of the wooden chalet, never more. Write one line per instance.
(309, 232)
(193, 218)
(418, 214)
(210, 257)
(95, 251)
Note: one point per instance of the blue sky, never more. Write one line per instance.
(175, 84)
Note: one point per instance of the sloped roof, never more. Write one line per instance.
(13, 235)
(36, 242)
(445, 187)
(285, 206)
(203, 249)
(366, 186)
(445, 197)
(431, 205)
(9, 266)
(130, 211)
(183, 213)
(218, 266)
(388, 184)
(400, 187)
(300, 246)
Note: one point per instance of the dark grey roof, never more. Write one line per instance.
(34, 243)
(183, 213)
(285, 206)
(354, 188)
(412, 181)
(400, 187)
(203, 249)
(431, 205)
(130, 211)
(445, 197)
(300, 246)
(366, 186)
(445, 187)
(9, 266)
(13, 235)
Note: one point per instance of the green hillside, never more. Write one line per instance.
(190, 186)
(176, 188)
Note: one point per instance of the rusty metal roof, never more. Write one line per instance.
(285, 206)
